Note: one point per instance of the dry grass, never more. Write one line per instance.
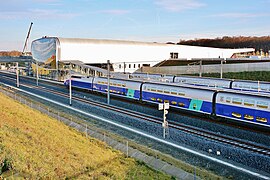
(33, 145)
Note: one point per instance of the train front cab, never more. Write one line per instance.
(80, 82)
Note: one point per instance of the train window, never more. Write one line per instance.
(173, 102)
(248, 102)
(228, 99)
(181, 104)
(248, 117)
(153, 89)
(160, 90)
(166, 91)
(174, 92)
(237, 101)
(254, 87)
(119, 66)
(139, 65)
(237, 115)
(221, 98)
(261, 104)
(261, 119)
(180, 93)
(246, 86)
(134, 65)
(77, 77)
(124, 85)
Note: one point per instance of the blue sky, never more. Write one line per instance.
(139, 20)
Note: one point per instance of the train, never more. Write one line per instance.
(250, 108)
(241, 85)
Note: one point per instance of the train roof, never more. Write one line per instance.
(249, 81)
(250, 93)
(196, 87)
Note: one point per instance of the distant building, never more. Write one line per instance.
(125, 56)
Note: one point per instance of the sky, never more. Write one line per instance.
(138, 20)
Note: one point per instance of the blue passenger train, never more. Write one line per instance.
(241, 85)
(253, 108)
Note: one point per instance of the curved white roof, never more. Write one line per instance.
(92, 51)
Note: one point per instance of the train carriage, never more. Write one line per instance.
(207, 82)
(252, 108)
(80, 82)
(255, 86)
(119, 87)
(181, 97)
(243, 107)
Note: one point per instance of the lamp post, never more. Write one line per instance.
(17, 73)
(37, 72)
(70, 86)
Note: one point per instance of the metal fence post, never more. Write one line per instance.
(86, 130)
(127, 148)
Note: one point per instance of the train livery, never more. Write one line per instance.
(242, 85)
(246, 107)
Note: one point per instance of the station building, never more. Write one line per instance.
(124, 56)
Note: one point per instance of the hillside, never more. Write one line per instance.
(233, 42)
(10, 53)
(35, 146)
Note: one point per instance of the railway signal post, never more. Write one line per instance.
(165, 125)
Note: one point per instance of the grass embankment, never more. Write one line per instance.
(247, 75)
(33, 145)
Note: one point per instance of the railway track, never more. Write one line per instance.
(184, 128)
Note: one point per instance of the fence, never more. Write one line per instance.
(123, 146)
(191, 69)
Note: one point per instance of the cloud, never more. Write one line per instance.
(240, 15)
(115, 11)
(45, 1)
(36, 14)
(179, 5)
